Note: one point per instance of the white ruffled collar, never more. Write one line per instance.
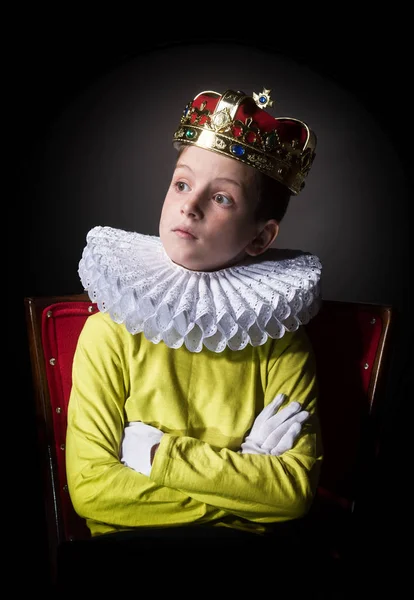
(130, 276)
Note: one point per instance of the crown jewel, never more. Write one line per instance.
(238, 126)
(262, 100)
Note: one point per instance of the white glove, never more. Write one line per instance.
(275, 431)
(136, 446)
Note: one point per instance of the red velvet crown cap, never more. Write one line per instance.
(287, 128)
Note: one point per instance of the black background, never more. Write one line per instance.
(51, 59)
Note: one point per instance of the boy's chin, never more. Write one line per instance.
(191, 263)
(202, 266)
(198, 261)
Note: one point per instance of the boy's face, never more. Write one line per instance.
(207, 220)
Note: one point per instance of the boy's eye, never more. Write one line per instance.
(182, 186)
(223, 200)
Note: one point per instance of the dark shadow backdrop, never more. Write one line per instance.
(92, 125)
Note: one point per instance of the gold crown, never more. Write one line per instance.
(237, 125)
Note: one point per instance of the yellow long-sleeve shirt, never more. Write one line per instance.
(205, 403)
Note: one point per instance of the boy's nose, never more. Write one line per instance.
(191, 207)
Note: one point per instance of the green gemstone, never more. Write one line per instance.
(271, 141)
(190, 134)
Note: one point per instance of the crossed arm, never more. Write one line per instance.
(273, 433)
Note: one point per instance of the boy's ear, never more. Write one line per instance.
(263, 239)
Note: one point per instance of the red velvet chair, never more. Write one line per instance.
(352, 343)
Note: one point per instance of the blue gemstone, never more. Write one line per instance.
(237, 150)
(263, 99)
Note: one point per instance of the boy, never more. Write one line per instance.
(193, 412)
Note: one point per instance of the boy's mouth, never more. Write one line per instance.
(184, 233)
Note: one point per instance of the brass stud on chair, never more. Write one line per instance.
(52, 361)
(49, 313)
(366, 366)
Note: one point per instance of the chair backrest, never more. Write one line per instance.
(351, 342)
(53, 326)
(352, 345)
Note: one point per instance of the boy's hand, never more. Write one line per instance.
(137, 446)
(275, 431)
